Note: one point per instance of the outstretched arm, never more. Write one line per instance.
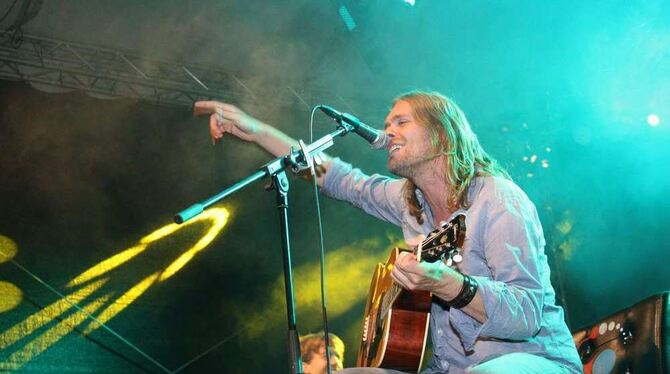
(229, 119)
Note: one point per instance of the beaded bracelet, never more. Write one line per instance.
(466, 294)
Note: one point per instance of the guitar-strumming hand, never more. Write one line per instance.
(436, 277)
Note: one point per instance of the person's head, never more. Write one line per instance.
(313, 351)
(428, 126)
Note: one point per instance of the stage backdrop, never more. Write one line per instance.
(89, 188)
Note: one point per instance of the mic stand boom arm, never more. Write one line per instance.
(296, 159)
(299, 159)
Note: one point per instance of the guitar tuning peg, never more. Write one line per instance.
(450, 262)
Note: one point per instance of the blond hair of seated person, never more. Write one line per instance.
(313, 351)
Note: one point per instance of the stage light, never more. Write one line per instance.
(8, 249)
(653, 120)
(45, 316)
(218, 218)
(354, 262)
(51, 336)
(11, 296)
(93, 281)
(347, 18)
(122, 302)
(107, 265)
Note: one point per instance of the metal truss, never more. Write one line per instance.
(112, 74)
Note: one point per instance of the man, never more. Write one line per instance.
(494, 313)
(313, 353)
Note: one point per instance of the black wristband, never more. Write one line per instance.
(466, 294)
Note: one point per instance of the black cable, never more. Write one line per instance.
(315, 188)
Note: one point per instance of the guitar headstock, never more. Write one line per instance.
(444, 242)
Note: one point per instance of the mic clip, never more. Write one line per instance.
(308, 155)
(301, 159)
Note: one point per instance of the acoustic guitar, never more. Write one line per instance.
(395, 323)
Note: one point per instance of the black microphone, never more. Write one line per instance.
(377, 138)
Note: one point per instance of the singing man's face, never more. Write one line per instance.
(410, 146)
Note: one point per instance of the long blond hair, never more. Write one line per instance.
(451, 136)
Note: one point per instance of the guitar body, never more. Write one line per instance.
(393, 334)
(395, 324)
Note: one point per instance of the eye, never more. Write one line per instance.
(402, 122)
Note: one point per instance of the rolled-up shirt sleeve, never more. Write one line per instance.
(512, 241)
(377, 195)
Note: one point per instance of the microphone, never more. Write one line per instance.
(377, 138)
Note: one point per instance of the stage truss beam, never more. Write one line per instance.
(108, 73)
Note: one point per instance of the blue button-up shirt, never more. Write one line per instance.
(503, 251)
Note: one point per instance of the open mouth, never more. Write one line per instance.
(394, 147)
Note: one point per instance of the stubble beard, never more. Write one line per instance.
(411, 166)
(400, 168)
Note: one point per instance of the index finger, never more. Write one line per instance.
(211, 106)
(205, 107)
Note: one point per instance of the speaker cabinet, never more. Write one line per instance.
(633, 340)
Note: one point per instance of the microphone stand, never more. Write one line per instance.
(300, 159)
